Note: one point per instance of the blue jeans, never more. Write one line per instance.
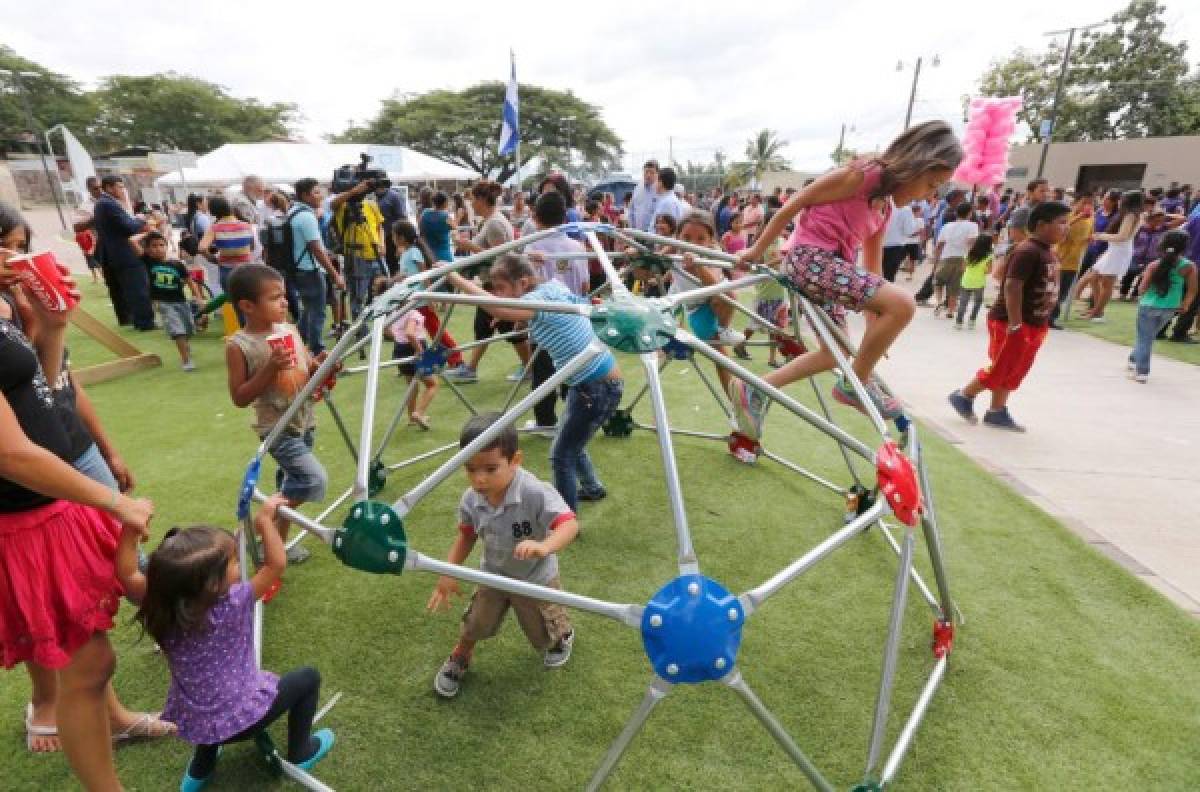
(1149, 322)
(589, 405)
(92, 464)
(300, 477)
(135, 289)
(310, 287)
(359, 275)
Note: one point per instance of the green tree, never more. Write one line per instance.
(53, 98)
(463, 127)
(762, 154)
(1124, 80)
(173, 110)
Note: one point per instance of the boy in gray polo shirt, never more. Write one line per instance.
(523, 522)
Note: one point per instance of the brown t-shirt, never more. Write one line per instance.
(1034, 264)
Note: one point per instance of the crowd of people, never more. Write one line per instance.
(70, 529)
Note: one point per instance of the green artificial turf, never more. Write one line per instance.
(1121, 328)
(1068, 674)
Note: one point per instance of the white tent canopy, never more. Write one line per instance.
(289, 162)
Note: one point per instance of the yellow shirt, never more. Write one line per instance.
(362, 238)
(1070, 250)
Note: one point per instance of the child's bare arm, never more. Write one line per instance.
(470, 287)
(447, 587)
(131, 578)
(243, 389)
(274, 554)
(558, 538)
(873, 252)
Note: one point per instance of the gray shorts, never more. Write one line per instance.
(300, 477)
(177, 319)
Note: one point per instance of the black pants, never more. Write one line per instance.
(893, 257)
(390, 257)
(1129, 279)
(543, 369)
(135, 288)
(113, 284)
(297, 696)
(1184, 322)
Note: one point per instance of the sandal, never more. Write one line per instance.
(147, 726)
(33, 732)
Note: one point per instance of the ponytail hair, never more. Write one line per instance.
(981, 249)
(407, 232)
(1173, 244)
(918, 150)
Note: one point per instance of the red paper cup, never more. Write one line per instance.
(40, 274)
(283, 340)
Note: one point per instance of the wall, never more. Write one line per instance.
(1167, 159)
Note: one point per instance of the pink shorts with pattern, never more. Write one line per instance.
(827, 279)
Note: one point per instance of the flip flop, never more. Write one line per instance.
(147, 726)
(32, 731)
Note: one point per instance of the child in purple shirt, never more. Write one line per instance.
(195, 606)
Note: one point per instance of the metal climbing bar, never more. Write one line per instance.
(627, 614)
(926, 594)
(750, 378)
(755, 597)
(657, 691)
(448, 468)
(533, 306)
(362, 471)
(891, 652)
(914, 721)
(818, 322)
(686, 553)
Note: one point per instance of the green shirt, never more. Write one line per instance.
(975, 273)
(1153, 298)
(770, 289)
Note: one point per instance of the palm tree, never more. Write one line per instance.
(762, 155)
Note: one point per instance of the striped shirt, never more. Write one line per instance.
(566, 335)
(234, 240)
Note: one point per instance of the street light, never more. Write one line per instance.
(912, 95)
(33, 128)
(1062, 78)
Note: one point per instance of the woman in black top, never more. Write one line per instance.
(58, 534)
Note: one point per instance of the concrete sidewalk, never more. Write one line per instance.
(1117, 462)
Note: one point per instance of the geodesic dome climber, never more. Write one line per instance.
(691, 627)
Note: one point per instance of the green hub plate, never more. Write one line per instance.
(372, 539)
(632, 324)
(656, 263)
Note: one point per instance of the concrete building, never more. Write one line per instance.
(1123, 164)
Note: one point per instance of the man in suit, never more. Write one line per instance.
(114, 226)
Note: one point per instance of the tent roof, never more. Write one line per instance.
(288, 162)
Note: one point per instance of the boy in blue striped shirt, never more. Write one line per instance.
(594, 391)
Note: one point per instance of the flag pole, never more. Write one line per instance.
(513, 62)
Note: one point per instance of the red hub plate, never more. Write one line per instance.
(898, 482)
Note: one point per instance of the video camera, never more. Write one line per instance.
(347, 177)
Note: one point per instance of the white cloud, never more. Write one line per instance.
(706, 74)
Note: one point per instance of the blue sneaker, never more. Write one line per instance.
(325, 739)
(749, 406)
(461, 374)
(190, 784)
(963, 406)
(1001, 419)
(889, 408)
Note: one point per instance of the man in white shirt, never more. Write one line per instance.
(950, 255)
(641, 203)
(900, 229)
(667, 202)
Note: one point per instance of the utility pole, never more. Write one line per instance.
(33, 128)
(1062, 78)
(912, 94)
(670, 149)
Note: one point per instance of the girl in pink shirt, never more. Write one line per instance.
(847, 210)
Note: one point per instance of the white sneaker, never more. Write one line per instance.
(1129, 366)
(1098, 320)
(521, 373)
(558, 655)
(727, 335)
(1141, 378)
(189, 366)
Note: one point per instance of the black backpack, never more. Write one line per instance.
(278, 241)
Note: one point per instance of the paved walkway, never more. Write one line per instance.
(1117, 462)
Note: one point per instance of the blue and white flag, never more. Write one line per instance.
(509, 134)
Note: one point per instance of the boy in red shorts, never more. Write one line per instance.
(1018, 322)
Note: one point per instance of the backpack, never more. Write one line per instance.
(188, 241)
(279, 242)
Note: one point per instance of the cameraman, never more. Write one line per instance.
(394, 209)
(358, 223)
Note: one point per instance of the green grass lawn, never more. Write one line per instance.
(1069, 673)
(1121, 328)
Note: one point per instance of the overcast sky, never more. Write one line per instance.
(706, 74)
